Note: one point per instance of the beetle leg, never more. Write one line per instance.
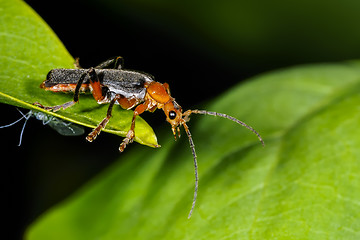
(77, 63)
(67, 104)
(96, 131)
(112, 63)
(131, 133)
(95, 86)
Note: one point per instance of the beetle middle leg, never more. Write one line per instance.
(95, 86)
(92, 136)
(131, 133)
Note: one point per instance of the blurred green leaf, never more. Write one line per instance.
(302, 185)
(246, 33)
(29, 49)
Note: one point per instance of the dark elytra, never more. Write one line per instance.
(126, 80)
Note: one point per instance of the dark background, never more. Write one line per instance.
(201, 48)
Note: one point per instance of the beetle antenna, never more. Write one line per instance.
(192, 146)
(188, 112)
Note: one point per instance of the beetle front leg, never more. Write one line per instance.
(131, 133)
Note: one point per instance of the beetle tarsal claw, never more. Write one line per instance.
(96, 131)
(129, 139)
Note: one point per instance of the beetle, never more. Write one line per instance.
(61, 126)
(110, 83)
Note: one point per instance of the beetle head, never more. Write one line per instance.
(173, 114)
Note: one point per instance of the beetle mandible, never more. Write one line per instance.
(110, 83)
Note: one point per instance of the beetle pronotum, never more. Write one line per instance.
(110, 83)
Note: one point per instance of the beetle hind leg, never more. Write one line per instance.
(55, 108)
(67, 104)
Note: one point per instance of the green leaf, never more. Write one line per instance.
(29, 49)
(303, 185)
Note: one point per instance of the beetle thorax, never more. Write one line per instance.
(158, 92)
(158, 95)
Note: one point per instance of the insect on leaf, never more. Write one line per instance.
(29, 49)
(302, 185)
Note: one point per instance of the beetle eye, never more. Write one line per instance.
(172, 115)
